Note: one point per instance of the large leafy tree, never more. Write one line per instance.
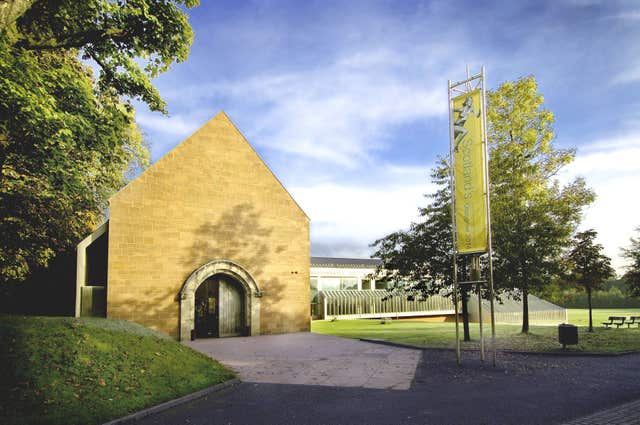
(69, 140)
(420, 259)
(632, 275)
(587, 266)
(533, 215)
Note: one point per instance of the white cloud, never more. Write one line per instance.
(346, 218)
(339, 113)
(630, 76)
(353, 217)
(611, 168)
(632, 15)
(167, 125)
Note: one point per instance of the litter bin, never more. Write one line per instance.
(567, 335)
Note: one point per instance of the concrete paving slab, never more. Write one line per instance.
(314, 359)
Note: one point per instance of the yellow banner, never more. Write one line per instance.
(468, 173)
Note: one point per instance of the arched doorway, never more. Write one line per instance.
(220, 308)
(238, 288)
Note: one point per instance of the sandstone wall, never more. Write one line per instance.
(210, 198)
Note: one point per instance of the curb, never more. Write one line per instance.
(572, 353)
(397, 344)
(134, 417)
(413, 347)
(535, 353)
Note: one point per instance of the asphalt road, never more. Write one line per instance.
(522, 389)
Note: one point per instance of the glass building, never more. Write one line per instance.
(330, 273)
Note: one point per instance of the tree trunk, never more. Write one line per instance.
(465, 313)
(590, 316)
(525, 310)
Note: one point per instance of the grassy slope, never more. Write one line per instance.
(541, 338)
(71, 371)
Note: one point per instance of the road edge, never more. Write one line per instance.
(173, 403)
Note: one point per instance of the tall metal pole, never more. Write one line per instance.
(453, 226)
(455, 303)
(475, 262)
(488, 197)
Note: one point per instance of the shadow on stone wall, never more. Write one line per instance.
(156, 307)
(238, 236)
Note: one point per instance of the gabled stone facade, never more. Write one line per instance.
(211, 204)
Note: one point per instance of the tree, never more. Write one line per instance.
(588, 266)
(67, 140)
(632, 275)
(533, 215)
(117, 35)
(420, 259)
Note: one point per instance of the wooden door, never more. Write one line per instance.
(207, 311)
(231, 308)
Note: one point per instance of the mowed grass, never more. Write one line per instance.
(87, 371)
(541, 338)
(580, 317)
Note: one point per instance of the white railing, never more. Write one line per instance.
(366, 304)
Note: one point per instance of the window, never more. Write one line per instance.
(348, 283)
(338, 283)
(366, 284)
(381, 285)
(329, 283)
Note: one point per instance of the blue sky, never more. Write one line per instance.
(346, 101)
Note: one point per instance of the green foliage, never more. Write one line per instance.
(67, 141)
(71, 371)
(566, 294)
(63, 150)
(10, 11)
(587, 266)
(117, 35)
(632, 275)
(420, 258)
(533, 217)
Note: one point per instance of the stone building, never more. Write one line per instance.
(206, 242)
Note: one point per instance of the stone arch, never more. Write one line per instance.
(240, 274)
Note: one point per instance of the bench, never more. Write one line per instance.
(614, 320)
(633, 320)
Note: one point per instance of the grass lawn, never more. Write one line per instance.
(87, 371)
(508, 337)
(580, 316)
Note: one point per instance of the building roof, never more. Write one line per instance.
(345, 262)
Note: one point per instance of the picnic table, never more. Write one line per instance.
(633, 320)
(614, 320)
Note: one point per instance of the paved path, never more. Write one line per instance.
(314, 359)
(627, 414)
(522, 389)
